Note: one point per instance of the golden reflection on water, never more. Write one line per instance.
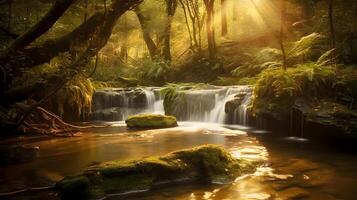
(279, 176)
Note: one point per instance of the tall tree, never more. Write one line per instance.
(193, 21)
(332, 23)
(143, 20)
(282, 27)
(235, 10)
(85, 10)
(9, 4)
(224, 25)
(171, 6)
(211, 41)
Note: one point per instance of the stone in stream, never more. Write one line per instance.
(148, 121)
(208, 163)
(232, 105)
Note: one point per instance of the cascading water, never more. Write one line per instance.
(113, 104)
(203, 105)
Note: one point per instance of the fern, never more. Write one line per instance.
(327, 58)
(303, 46)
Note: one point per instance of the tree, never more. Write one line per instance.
(92, 35)
(193, 21)
(331, 22)
(171, 6)
(209, 4)
(9, 4)
(99, 25)
(224, 18)
(281, 36)
(143, 20)
(40, 28)
(235, 10)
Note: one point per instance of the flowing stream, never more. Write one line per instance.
(289, 170)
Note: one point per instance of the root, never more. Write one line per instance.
(44, 122)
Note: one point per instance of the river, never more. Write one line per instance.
(294, 168)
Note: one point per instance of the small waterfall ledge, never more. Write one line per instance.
(226, 104)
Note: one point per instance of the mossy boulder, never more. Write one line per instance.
(208, 163)
(143, 121)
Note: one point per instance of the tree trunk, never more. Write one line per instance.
(40, 28)
(235, 10)
(281, 36)
(308, 9)
(99, 24)
(185, 12)
(124, 44)
(9, 15)
(171, 6)
(224, 18)
(332, 24)
(152, 47)
(85, 10)
(210, 28)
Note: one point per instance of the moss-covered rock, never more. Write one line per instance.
(208, 163)
(151, 121)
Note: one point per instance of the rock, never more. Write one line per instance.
(151, 121)
(137, 99)
(17, 154)
(232, 105)
(208, 163)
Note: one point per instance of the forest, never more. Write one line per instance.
(178, 99)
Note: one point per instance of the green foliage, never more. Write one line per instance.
(276, 89)
(301, 51)
(75, 98)
(152, 71)
(327, 58)
(304, 49)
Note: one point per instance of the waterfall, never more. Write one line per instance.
(202, 105)
(113, 104)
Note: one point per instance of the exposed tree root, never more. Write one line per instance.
(44, 122)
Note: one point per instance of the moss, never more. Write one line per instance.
(151, 121)
(75, 187)
(172, 96)
(208, 163)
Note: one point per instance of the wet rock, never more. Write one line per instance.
(232, 105)
(151, 121)
(137, 98)
(17, 154)
(208, 163)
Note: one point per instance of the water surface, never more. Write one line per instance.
(292, 170)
